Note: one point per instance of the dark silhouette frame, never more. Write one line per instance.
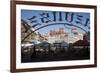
(13, 35)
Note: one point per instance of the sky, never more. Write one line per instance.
(77, 16)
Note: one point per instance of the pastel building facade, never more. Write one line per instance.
(62, 36)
